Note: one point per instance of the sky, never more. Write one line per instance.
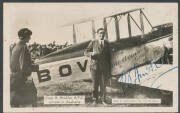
(46, 20)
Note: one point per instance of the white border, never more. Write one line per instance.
(6, 88)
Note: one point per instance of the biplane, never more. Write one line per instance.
(129, 55)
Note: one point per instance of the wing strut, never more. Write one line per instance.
(105, 28)
(74, 35)
(129, 25)
(117, 28)
(147, 19)
(135, 22)
(93, 29)
(142, 23)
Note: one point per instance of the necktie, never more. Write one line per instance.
(101, 43)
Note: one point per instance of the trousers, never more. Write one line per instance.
(99, 81)
(22, 91)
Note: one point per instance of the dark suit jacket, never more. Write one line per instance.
(100, 60)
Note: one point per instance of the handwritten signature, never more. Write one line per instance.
(135, 76)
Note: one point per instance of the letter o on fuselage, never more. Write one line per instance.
(65, 67)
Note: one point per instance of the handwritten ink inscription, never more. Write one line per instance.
(148, 75)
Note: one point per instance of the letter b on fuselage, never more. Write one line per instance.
(44, 75)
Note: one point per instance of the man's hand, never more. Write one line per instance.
(29, 80)
(35, 68)
(92, 53)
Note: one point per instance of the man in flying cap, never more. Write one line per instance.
(22, 88)
(99, 52)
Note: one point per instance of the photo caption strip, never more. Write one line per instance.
(64, 99)
(136, 101)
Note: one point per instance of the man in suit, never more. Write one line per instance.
(22, 88)
(99, 52)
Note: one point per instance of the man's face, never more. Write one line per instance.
(101, 34)
(28, 38)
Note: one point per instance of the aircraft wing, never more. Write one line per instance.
(107, 15)
(127, 54)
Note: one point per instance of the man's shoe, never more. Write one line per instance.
(94, 103)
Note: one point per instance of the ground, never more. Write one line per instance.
(117, 90)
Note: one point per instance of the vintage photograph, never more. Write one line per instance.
(90, 57)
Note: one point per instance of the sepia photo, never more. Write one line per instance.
(90, 57)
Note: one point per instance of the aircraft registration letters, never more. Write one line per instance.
(62, 71)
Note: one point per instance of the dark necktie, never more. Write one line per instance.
(101, 43)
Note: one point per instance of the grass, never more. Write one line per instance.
(84, 87)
